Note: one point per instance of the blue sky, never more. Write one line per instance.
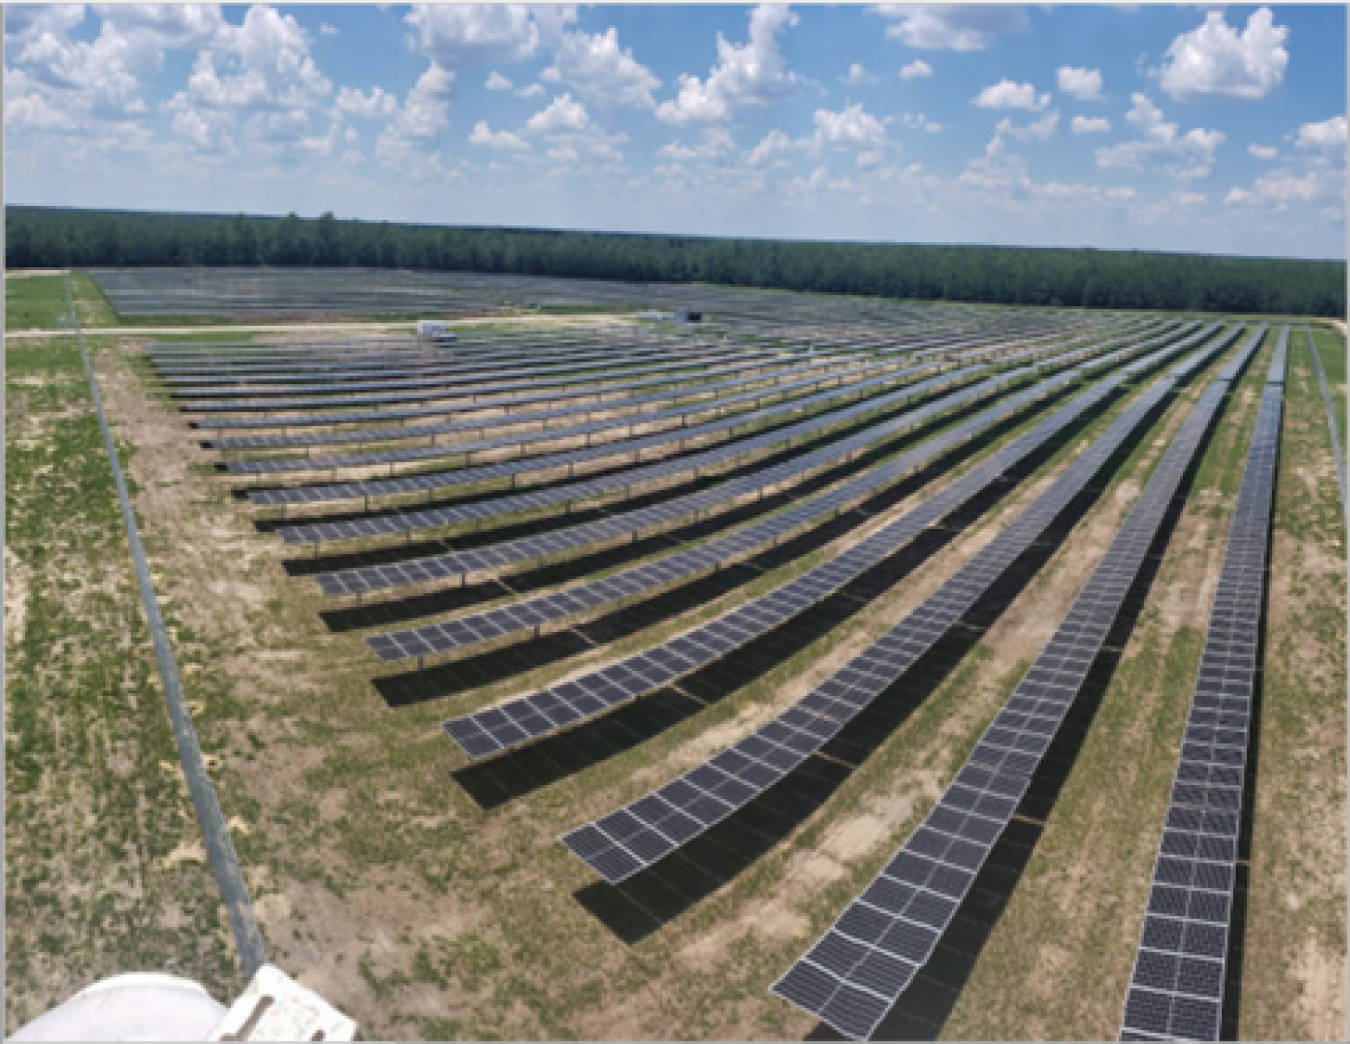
(1206, 128)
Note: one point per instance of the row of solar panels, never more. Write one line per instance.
(1177, 987)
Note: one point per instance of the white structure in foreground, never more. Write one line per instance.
(153, 1006)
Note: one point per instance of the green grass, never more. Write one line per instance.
(90, 812)
(1331, 350)
(35, 303)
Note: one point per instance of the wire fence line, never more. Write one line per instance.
(1331, 423)
(216, 835)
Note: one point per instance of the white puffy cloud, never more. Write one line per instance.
(1216, 59)
(1313, 176)
(1329, 134)
(715, 143)
(30, 108)
(850, 128)
(379, 102)
(576, 140)
(1160, 147)
(534, 90)
(26, 21)
(599, 70)
(1009, 95)
(858, 76)
(327, 30)
(102, 79)
(485, 136)
(1038, 130)
(497, 82)
(410, 142)
(919, 121)
(773, 144)
(746, 76)
(561, 114)
(915, 69)
(263, 64)
(952, 27)
(455, 35)
(1091, 125)
(1280, 189)
(1082, 84)
(1263, 152)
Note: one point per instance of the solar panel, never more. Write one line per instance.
(563, 705)
(980, 802)
(1176, 989)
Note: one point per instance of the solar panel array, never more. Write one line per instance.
(533, 439)
(773, 375)
(459, 565)
(527, 615)
(504, 727)
(442, 480)
(1177, 988)
(853, 975)
(498, 556)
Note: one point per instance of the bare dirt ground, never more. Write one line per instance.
(381, 882)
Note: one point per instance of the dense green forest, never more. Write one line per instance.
(42, 237)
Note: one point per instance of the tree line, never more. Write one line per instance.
(39, 237)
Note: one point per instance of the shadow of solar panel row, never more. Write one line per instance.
(528, 615)
(917, 894)
(440, 517)
(299, 380)
(495, 557)
(570, 459)
(617, 849)
(524, 720)
(536, 440)
(1176, 990)
(597, 391)
(769, 376)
